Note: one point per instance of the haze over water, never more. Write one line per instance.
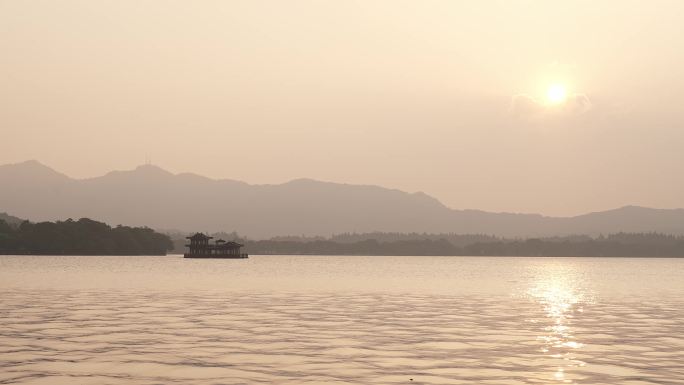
(308, 319)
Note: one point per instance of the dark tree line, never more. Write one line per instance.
(386, 237)
(365, 247)
(615, 245)
(81, 237)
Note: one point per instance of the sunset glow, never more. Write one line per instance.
(361, 192)
(556, 94)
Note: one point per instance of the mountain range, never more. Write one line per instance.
(151, 196)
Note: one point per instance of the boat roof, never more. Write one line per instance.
(199, 236)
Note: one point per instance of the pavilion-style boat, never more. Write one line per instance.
(201, 248)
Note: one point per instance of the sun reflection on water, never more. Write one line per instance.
(560, 292)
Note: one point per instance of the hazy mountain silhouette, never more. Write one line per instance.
(157, 198)
(10, 220)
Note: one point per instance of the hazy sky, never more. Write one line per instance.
(445, 97)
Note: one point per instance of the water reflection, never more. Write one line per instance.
(560, 291)
(81, 320)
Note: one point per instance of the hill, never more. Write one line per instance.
(10, 220)
(81, 237)
(151, 196)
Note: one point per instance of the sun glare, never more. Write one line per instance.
(556, 94)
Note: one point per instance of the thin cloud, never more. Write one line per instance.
(525, 106)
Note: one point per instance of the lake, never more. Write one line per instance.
(341, 320)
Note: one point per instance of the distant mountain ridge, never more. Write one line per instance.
(10, 220)
(151, 196)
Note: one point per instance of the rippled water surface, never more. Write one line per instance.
(355, 320)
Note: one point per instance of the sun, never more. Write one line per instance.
(556, 94)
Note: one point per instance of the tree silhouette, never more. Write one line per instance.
(82, 237)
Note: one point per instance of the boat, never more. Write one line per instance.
(200, 247)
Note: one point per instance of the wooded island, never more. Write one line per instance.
(80, 237)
